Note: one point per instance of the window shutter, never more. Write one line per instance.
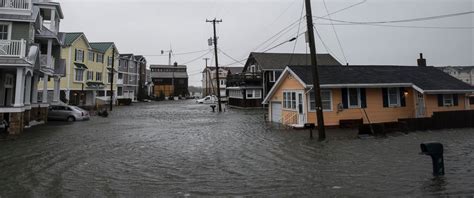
(385, 97)
(455, 100)
(82, 56)
(440, 100)
(403, 101)
(363, 98)
(75, 54)
(345, 104)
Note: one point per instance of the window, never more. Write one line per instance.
(253, 94)
(79, 76)
(222, 82)
(100, 58)
(109, 77)
(272, 76)
(326, 100)
(448, 100)
(471, 100)
(98, 76)
(109, 61)
(353, 96)
(235, 94)
(120, 76)
(90, 75)
(100, 93)
(252, 68)
(289, 100)
(91, 56)
(120, 91)
(8, 81)
(4, 31)
(79, 55)
(393, 97)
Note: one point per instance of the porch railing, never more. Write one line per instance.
(15, 4)
(12, 48)
(44, 61)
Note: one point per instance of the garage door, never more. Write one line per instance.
(276, 112)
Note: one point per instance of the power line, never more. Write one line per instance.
(228, 56)
(335, 32)
(297, 33)
(195, 59)
(348, 7)
(400, 21)
(178, 54)
(324, 44)
(404, 26)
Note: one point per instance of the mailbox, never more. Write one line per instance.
(435, 151)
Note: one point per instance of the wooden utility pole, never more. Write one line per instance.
(314, 63)
(214, 21)
(112, 79)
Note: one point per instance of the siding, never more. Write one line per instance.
(431, 102)
(20, 31)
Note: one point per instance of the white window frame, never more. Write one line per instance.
(272, 77)
(253, 91)
(109, 61)
(101, 58)
(397, 104)
(9, 31)
(446, 97)
(289, 98)
(80, 53)
(75, 75)
(236, 93)
(312, 107)
(90, 75)
(359, 102)
(252, 69)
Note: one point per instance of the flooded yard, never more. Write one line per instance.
(179, 148)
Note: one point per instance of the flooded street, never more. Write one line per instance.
(181, 149)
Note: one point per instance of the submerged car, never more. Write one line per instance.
(207, 100)
(67, 112)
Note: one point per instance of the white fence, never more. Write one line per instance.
(12, 48)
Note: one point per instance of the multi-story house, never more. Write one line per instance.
(88, 67)
(29, 55)
(260, 74)
(463, 73)
(144, 78)
(128, 77)
(169, 80)
(109, 55)
(209, 80)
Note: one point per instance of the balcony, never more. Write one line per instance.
(44, 61)
(244, 79)
(20, 7)
(12, 48)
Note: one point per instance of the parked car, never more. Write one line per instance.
(207, 100)
(67, 112)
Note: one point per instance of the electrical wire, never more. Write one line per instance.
(178, 54)
(335, 32)
(324, 44)
(400, 21)
(298, 32)
(195, 59)
(404, 26)
(228, 56)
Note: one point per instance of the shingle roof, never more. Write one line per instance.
(281, 60)
(70, 37)
(101, 46)
(426, 78)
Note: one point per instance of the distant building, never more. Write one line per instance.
(209, 80)
(169, 80)
(128, 77)
(463, 73)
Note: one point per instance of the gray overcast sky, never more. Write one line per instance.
(147, 27)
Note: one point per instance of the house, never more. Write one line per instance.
(375, 94)
(128, 77)
(463, 73)
(29, 55)
(209, 80)
(260, 73)
(144, 78)
(107, 52)
(169, 80)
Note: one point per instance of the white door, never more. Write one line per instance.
(300, 107)
(420, 105)
(276, 112)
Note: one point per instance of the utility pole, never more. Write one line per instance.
(214, 21)
(314, 63)
(112, 79)
(207, 77)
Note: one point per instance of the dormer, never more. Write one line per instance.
(50, 15)
(16, 7)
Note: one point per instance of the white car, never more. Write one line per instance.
(207, 100)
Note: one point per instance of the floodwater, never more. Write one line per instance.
(180, 149)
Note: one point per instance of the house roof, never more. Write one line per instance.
(424, 79)
(22, 18)
(101, 47)
(278, 61)
(70, 37)
(465, 69)
(233, 70)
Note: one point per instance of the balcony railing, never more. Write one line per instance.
(11, 6)
(12, 48)
(244, 79)
(44, 61)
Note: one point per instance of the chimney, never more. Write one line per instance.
(175, 64)
(421, 61)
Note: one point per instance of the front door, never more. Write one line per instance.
(420, 105)
(300, 107)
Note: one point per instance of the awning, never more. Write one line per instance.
(80, 66)
(95, 84)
